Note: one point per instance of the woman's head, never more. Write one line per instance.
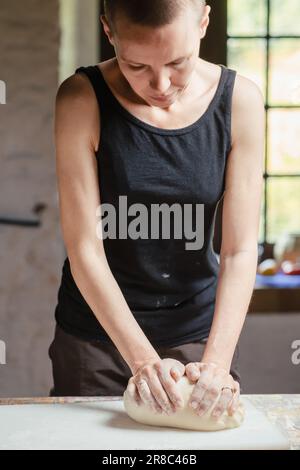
(156, 43)
(153, 13)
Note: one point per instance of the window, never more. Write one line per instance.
(263, 44)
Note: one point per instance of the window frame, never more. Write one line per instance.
(268, 176)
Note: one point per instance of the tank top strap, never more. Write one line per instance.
(98, 83)
(228, 78)
(225, 107)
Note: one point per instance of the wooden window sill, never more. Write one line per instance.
(274, 299)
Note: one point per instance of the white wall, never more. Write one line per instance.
(41, 43)
(79, 21)
(30, 258)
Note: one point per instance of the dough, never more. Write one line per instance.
(185, 417)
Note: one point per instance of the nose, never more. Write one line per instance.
(160, 84)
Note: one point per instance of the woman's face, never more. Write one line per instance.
(158, 63)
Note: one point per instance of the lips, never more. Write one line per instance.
(162, 97)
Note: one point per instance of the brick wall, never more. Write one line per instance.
(30, 258)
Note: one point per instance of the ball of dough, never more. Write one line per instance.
(185, 417)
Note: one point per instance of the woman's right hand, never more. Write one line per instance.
(154, 384)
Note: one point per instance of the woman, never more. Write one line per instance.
(156, 125)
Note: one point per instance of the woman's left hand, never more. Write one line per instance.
(211, 381)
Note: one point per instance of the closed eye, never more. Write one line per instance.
(139, 67)
(136, 67)
(178, 63)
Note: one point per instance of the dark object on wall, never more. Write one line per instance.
(28, 222)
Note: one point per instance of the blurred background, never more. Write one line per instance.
(41, 44)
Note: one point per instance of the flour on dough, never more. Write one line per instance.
(184, 418)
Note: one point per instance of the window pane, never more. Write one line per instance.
(284, 72)
(248, 57)
(247, 18)
(283, 206)
(284, 17)
(284, 141)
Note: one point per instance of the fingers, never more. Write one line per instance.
(177, 371)
(154, 386)
(214, 386)
(224, 401)
(203, 393)
(214, 391)
(214, 394)
(175, 400)
(160, 395)
(132, 391)
(235, 399)
(192, 371)
(146, 395)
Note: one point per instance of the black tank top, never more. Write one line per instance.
(170, 290)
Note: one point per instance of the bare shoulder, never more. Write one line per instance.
(248, 106)
(76, 105)
(246, 92)
(75, 88)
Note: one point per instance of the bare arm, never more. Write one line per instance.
(77, 131)
(241, 216)
(238, 257)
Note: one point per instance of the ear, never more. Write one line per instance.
(205, 21)
(107, 29)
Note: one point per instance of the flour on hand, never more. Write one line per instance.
(185, 417)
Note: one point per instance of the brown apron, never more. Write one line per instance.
(95, 368)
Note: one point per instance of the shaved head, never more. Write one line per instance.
(151, 13)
